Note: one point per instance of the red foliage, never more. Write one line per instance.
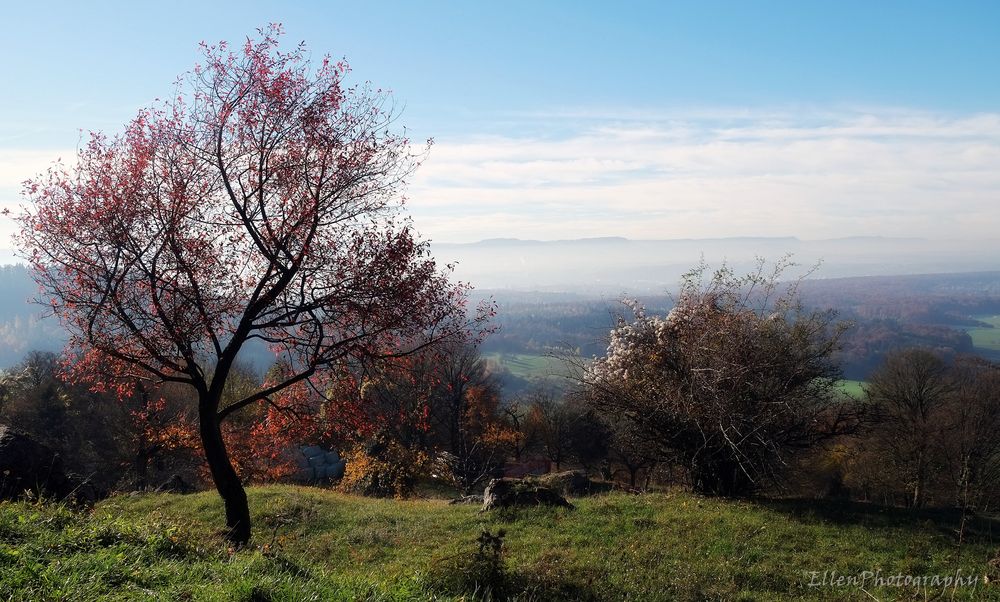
(262, 202)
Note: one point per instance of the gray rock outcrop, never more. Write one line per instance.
(510, 493)
(573, 483)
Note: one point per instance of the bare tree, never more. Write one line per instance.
(936, 427)
(911, 391)
(973, 443)
(562, 429)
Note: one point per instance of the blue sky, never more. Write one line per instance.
(568, 119)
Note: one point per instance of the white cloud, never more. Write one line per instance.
(812, 175)
(808, 172)
(16, 166)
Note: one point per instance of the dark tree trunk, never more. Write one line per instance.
(918, 486)
(648, 477)
(227, 482)
(722, 477)
(142, 469)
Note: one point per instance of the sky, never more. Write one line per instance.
(561, 120)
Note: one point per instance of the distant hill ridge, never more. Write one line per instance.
(622, 239)
(616, 264)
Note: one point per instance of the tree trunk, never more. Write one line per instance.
(227, 482)
(141, 464)
(918, 487)
(721, 477)
(648, 477)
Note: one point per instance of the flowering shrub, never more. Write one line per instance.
(737, 376)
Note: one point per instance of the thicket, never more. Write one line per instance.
(734, 392)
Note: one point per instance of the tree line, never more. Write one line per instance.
(734, 392)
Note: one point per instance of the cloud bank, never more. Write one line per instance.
(16, 166)
(717, 174)
(811, 173)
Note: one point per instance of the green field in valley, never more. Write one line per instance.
(314, 544)
(529, 366)
(854, 388)
(984, 337)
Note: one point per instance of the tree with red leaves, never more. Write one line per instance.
(260, 203)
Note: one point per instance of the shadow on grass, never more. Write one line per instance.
(945, 521)
(484, 574)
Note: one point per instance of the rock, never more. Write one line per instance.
(509, 493)
(467, 499)
(335, 471)
(29, 466)
(311, 451)
(573, 483)
(318, 466)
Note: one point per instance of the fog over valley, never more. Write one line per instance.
(614, 265)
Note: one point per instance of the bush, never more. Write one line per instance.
(383, 467)
(733, 381)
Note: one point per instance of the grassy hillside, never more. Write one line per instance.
(316, 545)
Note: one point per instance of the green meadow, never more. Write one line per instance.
(854, 388)
(314, 544)
(984, 337)
(527, 365)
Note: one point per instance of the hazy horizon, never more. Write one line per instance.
(614, 264)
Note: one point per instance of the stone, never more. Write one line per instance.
(574, 483)
(510, 493)
(335, 471)
(176, 484)
(311, 451)
(318, 466)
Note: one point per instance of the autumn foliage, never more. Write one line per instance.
(260, 202)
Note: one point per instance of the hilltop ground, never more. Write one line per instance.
(312, 544)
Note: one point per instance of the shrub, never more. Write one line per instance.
(383, 467)
(734, 380)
